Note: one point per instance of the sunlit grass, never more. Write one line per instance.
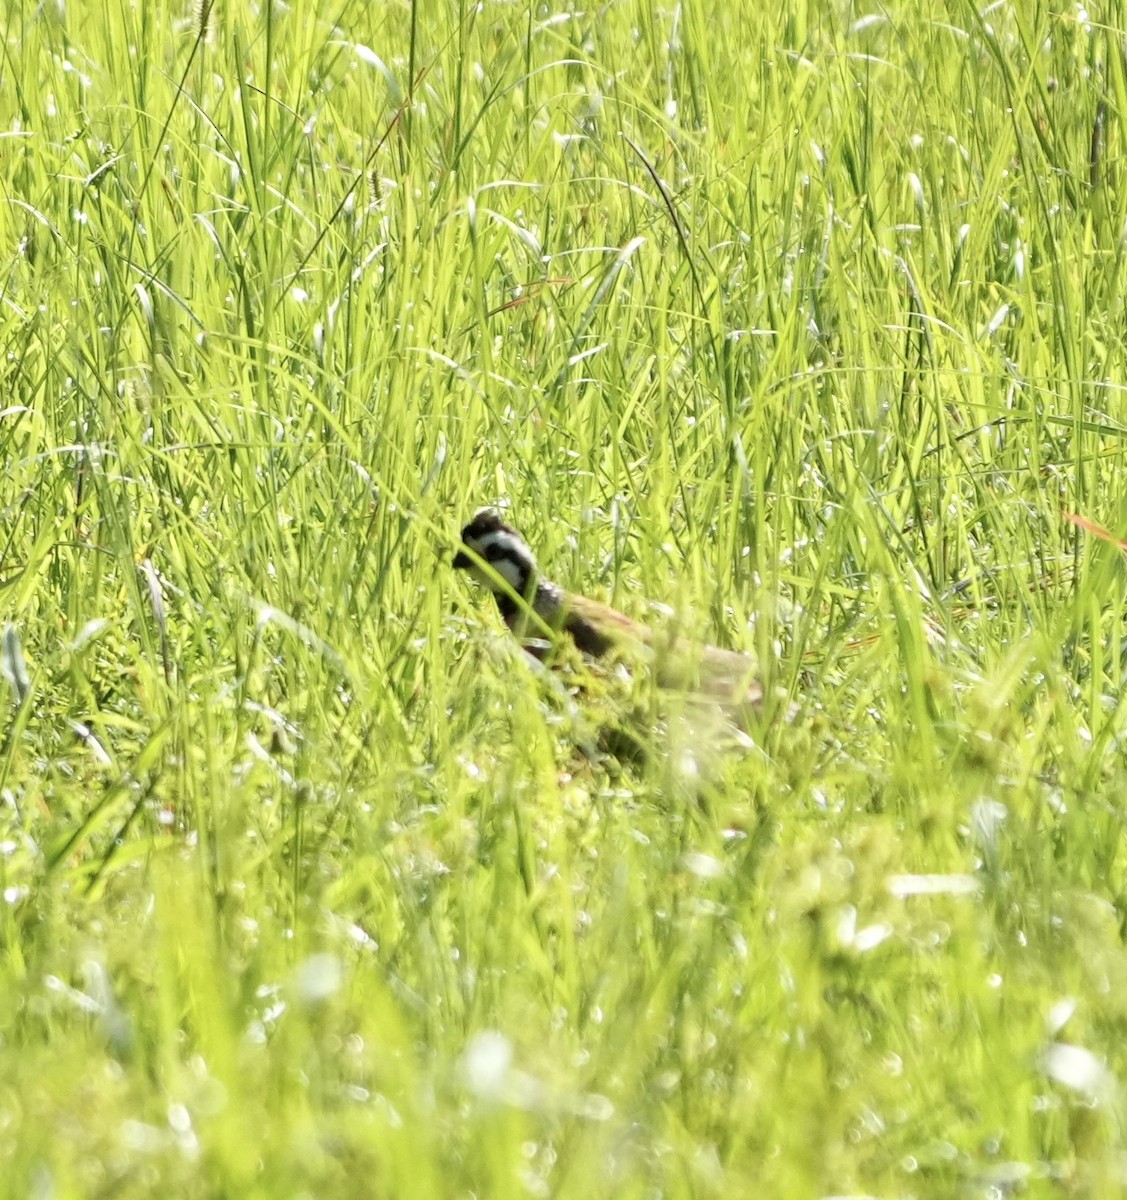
(807, 323)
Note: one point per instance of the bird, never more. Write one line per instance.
(538, 611)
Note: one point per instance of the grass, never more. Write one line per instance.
(808, 322)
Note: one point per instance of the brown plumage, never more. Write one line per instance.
(536, 608)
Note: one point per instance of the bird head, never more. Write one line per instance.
(487, 539)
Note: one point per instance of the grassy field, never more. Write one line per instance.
(807, 322)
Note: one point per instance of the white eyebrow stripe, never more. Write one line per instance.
(512, 546)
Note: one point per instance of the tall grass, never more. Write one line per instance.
(803, 319)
